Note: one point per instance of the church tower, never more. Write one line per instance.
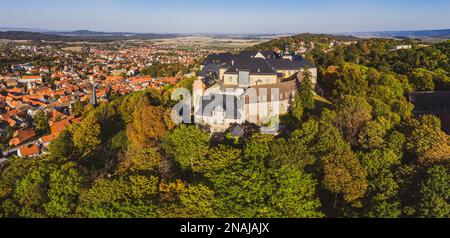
(93, 99)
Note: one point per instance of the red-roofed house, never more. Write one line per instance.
(30, 79)
(21, 136)
(28, 151)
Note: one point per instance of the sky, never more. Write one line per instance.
(226, 16)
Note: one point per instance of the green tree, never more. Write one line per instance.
(64, 187)
(197, 201)
(249, 190)
(186, 145)
(422, 79)
(41, 122)
(218, 158)
(295, 194)
(87, 136)
(435, 193)
(306, 91)
(140, 160)
(62, 147)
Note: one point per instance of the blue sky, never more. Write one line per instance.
(226, 16)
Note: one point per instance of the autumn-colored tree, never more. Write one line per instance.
(148, 124)
(352, 113)
(87, 136)
(139, 160)
(344, 175)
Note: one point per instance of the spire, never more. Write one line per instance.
(93, 100)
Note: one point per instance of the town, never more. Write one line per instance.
(40, 98)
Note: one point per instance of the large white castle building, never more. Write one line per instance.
(253, 86)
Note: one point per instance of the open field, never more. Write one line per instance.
(208, 42)
(76, 49)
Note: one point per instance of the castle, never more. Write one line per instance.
(253, 86)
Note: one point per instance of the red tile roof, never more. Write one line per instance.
(29, 150)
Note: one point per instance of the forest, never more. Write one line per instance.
(365, 155)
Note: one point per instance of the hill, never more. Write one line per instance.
(294, 42)
(81, 35)
(433, 34)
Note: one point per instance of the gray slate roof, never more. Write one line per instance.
(230, 107)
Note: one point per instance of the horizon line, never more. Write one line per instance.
(47, 30)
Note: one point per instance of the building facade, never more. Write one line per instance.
(253, 86)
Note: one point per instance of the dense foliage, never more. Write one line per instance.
(366, 155)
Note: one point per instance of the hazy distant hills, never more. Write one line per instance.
(114, 35)
(440, 34)
(96, 36)
(80, 35)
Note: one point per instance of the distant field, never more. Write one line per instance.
(208, 42)
(73, 48)
(5, 41)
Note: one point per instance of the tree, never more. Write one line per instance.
(295, 194)
(30, 193)
(143, 187)
(306, 91)
(41, 122)
(296, 151)
(344, 175)
(242, 190)
(258, 146)
(381, 196)
(218, 158)
(186, 145)
(250, 190)
(101, 193)
(439, 152)
(352, 80)
(422, 79)
(424, 135)
(140, 160)
(148, 124)
(197, 201)
(352, 113)
(297, 107)
(62, 147)
(87, 136)
(435, 193)
(65, 184)
(373, 133)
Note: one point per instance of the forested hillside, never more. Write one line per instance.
(366, 155)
